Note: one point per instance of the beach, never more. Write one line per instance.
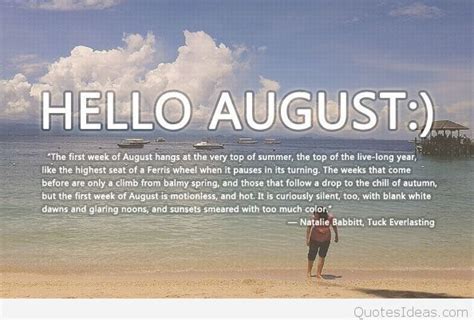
(245, 284)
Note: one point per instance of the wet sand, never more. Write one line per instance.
(240, 284)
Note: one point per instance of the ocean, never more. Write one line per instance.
(105, 243)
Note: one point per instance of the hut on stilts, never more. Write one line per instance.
(443, 140)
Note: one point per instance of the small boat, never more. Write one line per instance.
(205, 145)
(132, 143)
(160, 139)
(247, 141)
(271, 141)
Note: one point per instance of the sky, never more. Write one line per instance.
(203, 47)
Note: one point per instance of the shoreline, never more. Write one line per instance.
(276, 283)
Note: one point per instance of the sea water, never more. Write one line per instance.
(34, 241)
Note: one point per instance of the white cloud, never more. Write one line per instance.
(261, 98)
(86, 67)
(351, 20)
(201, 69)
(69, 5)
(29, 64)
(15, 97)
(417, 10)
(120, 69)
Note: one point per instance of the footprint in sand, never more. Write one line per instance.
(249, 281)
(260, 291)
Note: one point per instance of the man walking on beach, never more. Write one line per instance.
(318, 238)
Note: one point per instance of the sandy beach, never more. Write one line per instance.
(248, 284)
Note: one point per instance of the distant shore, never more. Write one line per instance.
(242, 284)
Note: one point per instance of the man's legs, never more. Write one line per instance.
(310, 267)
(313, 251)
(323, 250)
(320, 267)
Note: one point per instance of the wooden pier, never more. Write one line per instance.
(443, 140)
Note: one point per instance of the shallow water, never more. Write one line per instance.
(32, 241)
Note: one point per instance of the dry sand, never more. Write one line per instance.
(248, 284)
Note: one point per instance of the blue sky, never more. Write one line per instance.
(314, 45)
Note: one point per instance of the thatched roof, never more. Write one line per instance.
(447, 125)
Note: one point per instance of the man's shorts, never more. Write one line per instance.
(315, 247)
